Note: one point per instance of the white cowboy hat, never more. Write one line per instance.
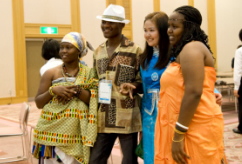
(114, 13)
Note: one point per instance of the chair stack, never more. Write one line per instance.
(225, 82)
(20, 131)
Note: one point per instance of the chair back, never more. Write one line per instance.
(24, 115)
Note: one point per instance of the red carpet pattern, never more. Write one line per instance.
(233, 145)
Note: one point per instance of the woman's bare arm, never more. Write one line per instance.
(43, 96)
(192, 66)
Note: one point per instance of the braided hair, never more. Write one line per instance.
(192, 30)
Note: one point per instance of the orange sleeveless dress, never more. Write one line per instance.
(204, 139)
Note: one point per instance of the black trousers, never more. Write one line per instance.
(240, 106)
(240, 113)
(104, 144)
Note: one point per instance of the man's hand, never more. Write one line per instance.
(127, 88)
(236, 93)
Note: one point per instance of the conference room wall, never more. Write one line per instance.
(7, 71)
(90, 25)
(201, 5)
(228, 24)
(139, 13)
(169, 6)
(47, 11)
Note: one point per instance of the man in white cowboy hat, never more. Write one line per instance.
(116, 62)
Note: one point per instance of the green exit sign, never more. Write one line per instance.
(48, 30)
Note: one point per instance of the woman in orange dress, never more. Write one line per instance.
(189, 126)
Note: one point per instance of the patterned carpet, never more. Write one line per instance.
(232, 141)
(11, 112)
(233, 145)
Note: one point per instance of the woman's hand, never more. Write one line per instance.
(177, 149)
(218, 97)
(64, 93)
(127, 88)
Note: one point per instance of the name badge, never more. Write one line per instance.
(104, 91)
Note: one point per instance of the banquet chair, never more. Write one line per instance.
(222, 85)
(21, 131)
(32, 126)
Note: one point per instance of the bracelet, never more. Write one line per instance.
(178, 140)
(182, 126)
(180, 129)
(179, 132)
(50, 91)
(78, 90)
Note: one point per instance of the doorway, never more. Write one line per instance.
(34, 63)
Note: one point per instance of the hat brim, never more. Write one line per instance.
(113, 20)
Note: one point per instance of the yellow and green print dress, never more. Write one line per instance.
(71, 127)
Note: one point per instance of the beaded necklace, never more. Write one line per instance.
(69, 75)
(64, 73)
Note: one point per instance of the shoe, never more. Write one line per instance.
(236, 130)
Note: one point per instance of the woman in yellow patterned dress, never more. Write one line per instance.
(68, 95)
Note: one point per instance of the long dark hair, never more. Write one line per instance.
(192, 30)
(160, 19)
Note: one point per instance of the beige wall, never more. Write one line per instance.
(47, 11)
(139, 13)
(169, 6)
(201, 5)
(7, 71)
(228, 24)
(90, 25)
